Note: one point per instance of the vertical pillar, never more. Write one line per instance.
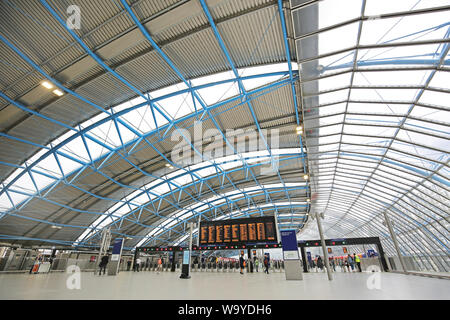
(186, 263)
(324, 247)
(250, 259)
(305, 266)
(394, 239)
(382, 256)
(174, 259)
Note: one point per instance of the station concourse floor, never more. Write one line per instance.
(221, 286)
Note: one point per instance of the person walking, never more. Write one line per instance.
(266, 264)
(332, 264)
(319, 263)
(128, 265)
(103, 264)
(160, 262)
(242, 263)
(256, 264)
(358, 262)
(350, 262)
(137, 264)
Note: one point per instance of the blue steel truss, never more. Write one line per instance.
(96, 165)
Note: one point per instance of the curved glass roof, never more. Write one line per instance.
(370, 92)
(375, 84)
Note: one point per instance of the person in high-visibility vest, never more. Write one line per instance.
(358, 262)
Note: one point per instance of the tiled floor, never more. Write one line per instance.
(207, 285)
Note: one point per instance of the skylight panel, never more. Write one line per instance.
(391, 78)
(437, 99)
(404, 29)
(441, 79)
(376, 7)
(431, 114)
(383, 95)
(384, 108)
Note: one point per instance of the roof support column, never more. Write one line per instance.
(394, 240)
(324, 247)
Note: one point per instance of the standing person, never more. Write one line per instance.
(128, 265)
(160, 264)
(256, 264)
(350, 262)
(332, 263)
(266, 264)
(103, 264)
(137, 264)
(242, 263)
(358, 262)
(319, 263)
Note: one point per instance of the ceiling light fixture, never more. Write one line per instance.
(47, 85)
(306, 177)
(58, 92)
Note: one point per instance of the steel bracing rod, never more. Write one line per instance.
(363, 18)
(377, 46)
(190, 210)
(429, 206)
(43, 221)
(418, 184)
(363, 210)
(388, 62)
(99, 61)
(393, 161)
(236, 74)
(426, 204)
(221, 203)
(99, 123)
(362, 207)
(181, 77)
(288, 57)
(172, 66)
(385, 87)
(355, 56)
(401, 213)
(338, 169)
(442, 57)
(388, 125)
(89, 51)
(386, 138)
(248, 213)
(204, 179)
(101, 144)
(210, 208)
(90, 32)
(84, 131)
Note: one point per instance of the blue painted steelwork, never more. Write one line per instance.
(236, 74)
(83, 133)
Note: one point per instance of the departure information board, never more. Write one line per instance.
(248, 230)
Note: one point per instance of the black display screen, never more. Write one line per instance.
(238, 231)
